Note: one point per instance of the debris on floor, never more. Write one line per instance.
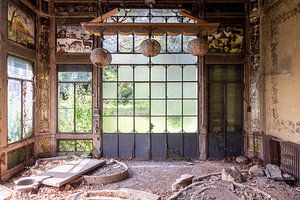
(5, 192)
(112, 171)
(274, 172)
(121, 194)
(182, 182)
(156, 177)
(214, 187)
(232, 174)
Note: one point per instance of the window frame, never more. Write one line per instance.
(22, 80)
(74, 83)
(166, 99)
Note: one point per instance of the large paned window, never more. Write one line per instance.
(74, 99)
(20, 99)
(144, 99)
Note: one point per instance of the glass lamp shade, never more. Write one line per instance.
(198, 47)
(150, 47)
(100, 57)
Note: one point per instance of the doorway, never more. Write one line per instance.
(225, 115)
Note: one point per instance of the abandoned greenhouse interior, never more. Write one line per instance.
(149, 99)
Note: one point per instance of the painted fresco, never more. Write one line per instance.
(21, 27)
(72, 39)
(226, 40)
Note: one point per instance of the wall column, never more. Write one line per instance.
(3, 85)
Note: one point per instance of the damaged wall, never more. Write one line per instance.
(281, 60)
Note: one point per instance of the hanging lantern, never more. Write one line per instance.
(150, 47)
(100, 57)
(198, 47)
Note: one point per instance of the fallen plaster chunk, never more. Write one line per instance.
(274, 172)
(182, 182)
(121, 194)
(69, 171)
(257, 171)
(241, 160)
(232, 175)
(5, 192)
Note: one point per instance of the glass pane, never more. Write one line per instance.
(138, 39)
(174, 20)
(174, 107)
(129, 59)
(110, 43)
(141, 107)
(190, 124)
(84, 145)
(158, 73)
(125, 91)
(110, 73)
(75, 76)
(186, 40)
(84, 104)
(125, 73)
(234, 108)
(66, 95)
(190, 73)
(142, 90)
(28, 109)
(14, 110)
(141, 73)
(174, 90)
(18, 68)
(125, 107)
(109, 107)
(109, 124)
(190, 90)
(66, 120)
(142, 124)
(158, 20)
(174, 124)
(125, 43)
(126, 124)
(174, 73)
(190, 107)
(141, 20)
(161, 39)
(216, 108)
(158, 124)
(158, 107)
(174, 43)
(110, 90)
(158, 90)
(177, 58)
(66, 145)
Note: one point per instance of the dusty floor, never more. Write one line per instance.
(157, 177)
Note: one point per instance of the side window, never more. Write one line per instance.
(20, 99)
(74, 99)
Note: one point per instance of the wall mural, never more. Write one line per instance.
(21, 27)
(72, 39)
(74, 8)
(281, 125)
(228, 39)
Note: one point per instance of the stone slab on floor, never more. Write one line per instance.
(5, 192)
(69, 171)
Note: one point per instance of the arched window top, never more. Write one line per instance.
(149, 16)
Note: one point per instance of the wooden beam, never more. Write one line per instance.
(106, 15)
(145, 28)
(188, 15)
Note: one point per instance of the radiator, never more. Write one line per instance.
(290, 159)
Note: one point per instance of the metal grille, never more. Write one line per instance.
(290, 159)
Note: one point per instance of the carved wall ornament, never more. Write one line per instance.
(280, 125)
(43, 76)
(74, 8)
